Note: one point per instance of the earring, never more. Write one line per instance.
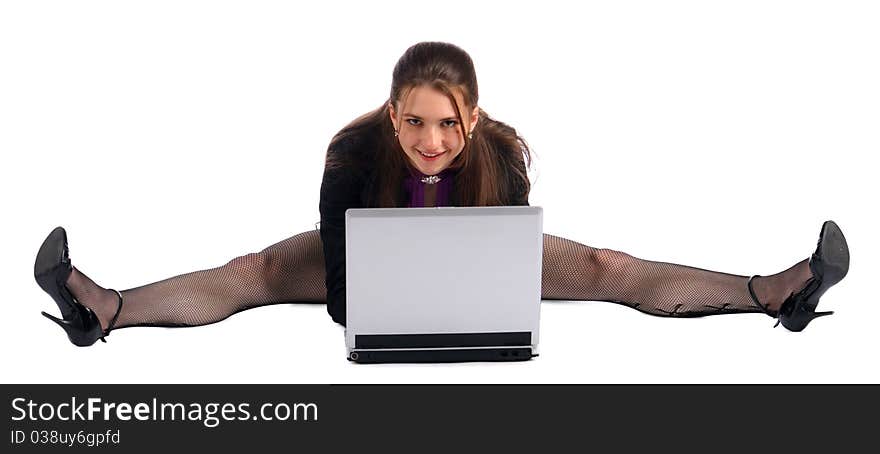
(471, 135)
(395, 133)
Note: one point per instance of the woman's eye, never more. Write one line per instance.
(447, 123)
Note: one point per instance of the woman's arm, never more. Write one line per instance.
(340, 190)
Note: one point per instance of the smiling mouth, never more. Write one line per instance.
(430, 155)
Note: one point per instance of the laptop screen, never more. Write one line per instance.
(443, 270)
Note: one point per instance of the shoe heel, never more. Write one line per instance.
(75, 332)
(800, 322)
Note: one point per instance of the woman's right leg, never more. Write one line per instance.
(291, 271)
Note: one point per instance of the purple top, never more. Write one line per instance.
(416, 189)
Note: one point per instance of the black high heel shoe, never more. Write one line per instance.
(51, 270)
(829, 264)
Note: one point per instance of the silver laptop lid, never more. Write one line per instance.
(443, 270)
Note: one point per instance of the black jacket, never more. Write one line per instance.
(350, 186)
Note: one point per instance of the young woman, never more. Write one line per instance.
(429, 144)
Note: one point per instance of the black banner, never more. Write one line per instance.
(135, 418)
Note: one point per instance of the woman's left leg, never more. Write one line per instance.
(573, 271)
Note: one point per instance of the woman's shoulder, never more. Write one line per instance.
(353, 145)
(511, 157)
(349, 165)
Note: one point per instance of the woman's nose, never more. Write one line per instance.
(431, 139)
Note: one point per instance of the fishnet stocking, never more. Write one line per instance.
(573, 271)
(292, 271)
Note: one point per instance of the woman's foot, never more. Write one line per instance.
(805, 282)
(52, 271)
(103, 302)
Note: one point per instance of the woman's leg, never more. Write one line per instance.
(286, 272)
(573, 271)
(293, 271)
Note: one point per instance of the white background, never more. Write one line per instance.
(173, 136)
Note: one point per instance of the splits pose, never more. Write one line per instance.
(428, 145)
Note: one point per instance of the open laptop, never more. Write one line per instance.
(443, 284)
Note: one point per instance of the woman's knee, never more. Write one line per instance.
(294, 259)
(250, 267)
(609, 263)
(260, 270)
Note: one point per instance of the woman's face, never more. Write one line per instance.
(428, 129)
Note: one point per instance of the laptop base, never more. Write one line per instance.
(441, 355)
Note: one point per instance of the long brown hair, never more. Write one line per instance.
(495, 156)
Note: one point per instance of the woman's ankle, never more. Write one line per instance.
(103, 302)
(773, 290)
